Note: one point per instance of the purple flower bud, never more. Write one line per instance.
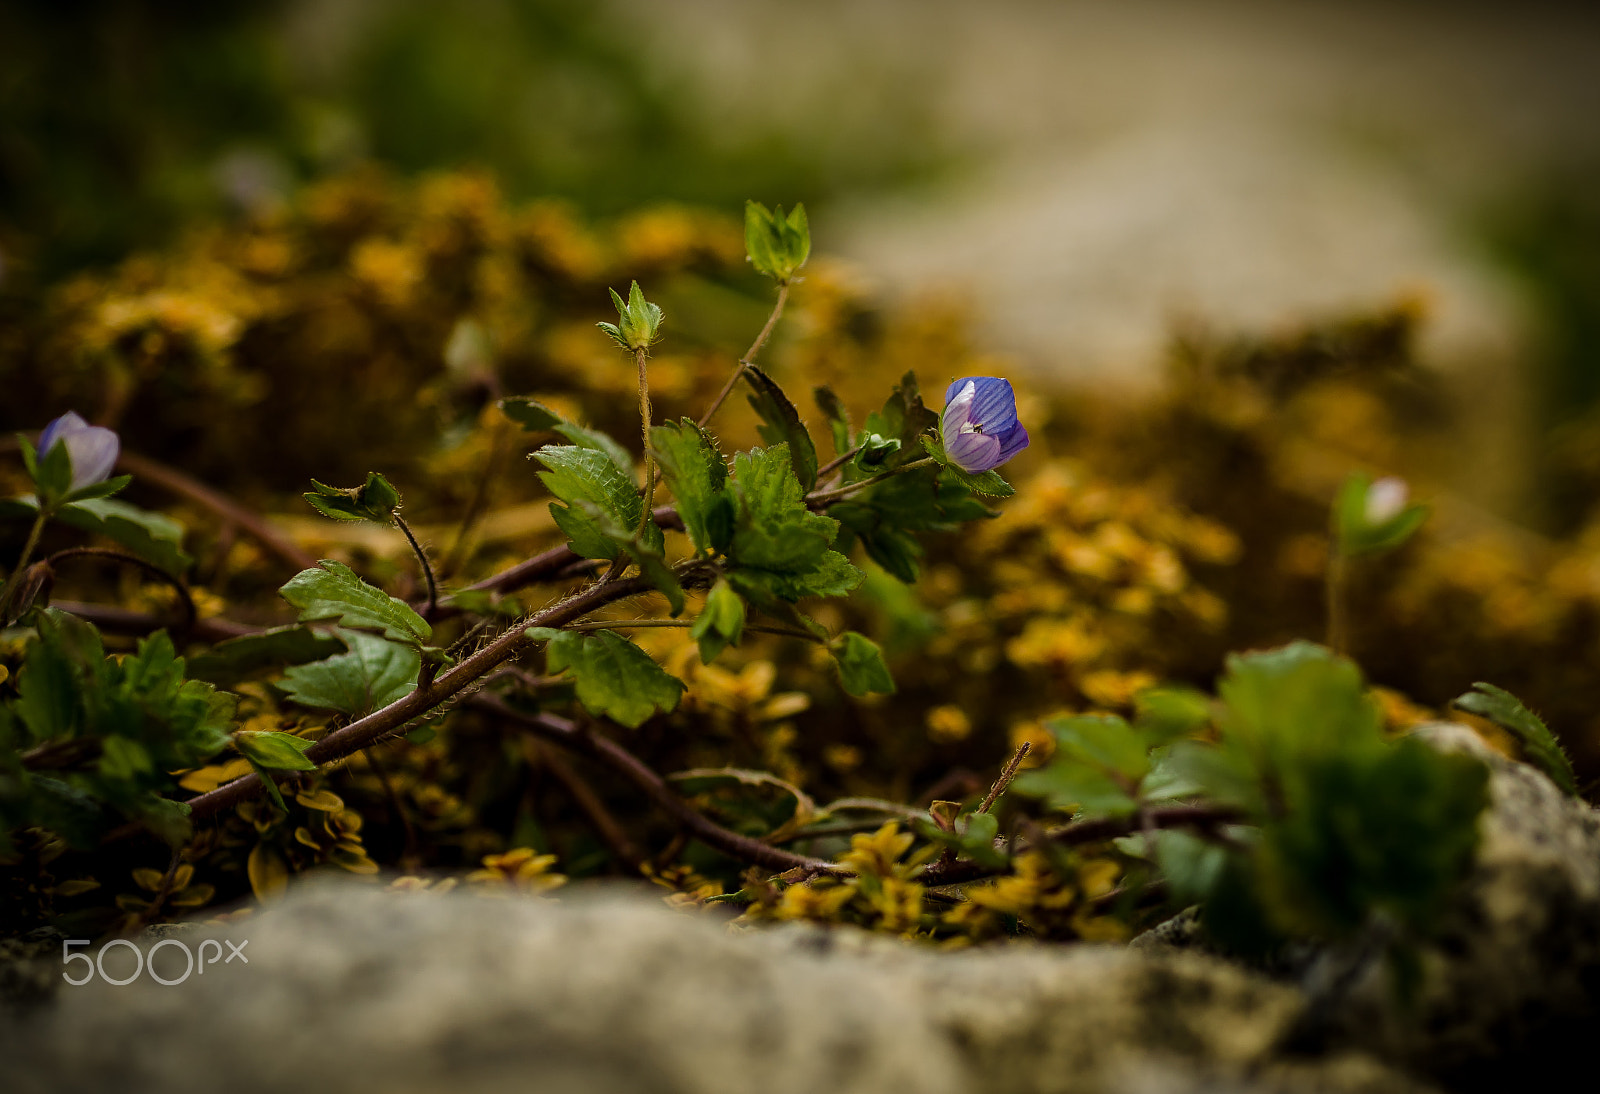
(981, 430)
(92, 449)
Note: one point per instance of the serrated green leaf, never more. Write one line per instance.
(773, 528)
(614, 677)
(781, 424)
(375, 500)
(372, 674)
(334, 591)
(861, 665)
(233, 659)
(720, 623)
(697, 476)
(535, 417)
(154, 537)
(1098, 762)
(1299, 700)
(1538, 743)
(272, 749)
(579, 474)
(833, 575)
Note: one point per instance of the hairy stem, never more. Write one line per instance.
(644, 431)
(837, 462)
(1005, 778)
(427, 567)
(822, 498)
(750, 354)
(22, 562)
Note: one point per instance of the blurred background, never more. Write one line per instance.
(1088, 176)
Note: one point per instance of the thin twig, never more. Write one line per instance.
(750, 355)
(176, 482)
(570, 735)
(1098, 830)
(837, 462)
(427, 567)
(1336, 592)
(821, 498)
(1005, 778)
(628, 624)
(190, 615)
(22, 563)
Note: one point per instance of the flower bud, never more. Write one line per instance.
(92, 449)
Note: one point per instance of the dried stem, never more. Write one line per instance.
(1005, 778)
(750, 355)
(190, 615)
(571, 735)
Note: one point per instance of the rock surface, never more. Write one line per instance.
(358, 990)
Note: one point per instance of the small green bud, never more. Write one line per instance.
(375, 501)
(1370, 517)
(778, 245)
(640, 320)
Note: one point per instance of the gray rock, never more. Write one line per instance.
(357, 990)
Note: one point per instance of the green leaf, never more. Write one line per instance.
(614, 677)
(234, 658)
(1296, 701)
(720, 623)
(63, 664)
(838, 418)
(1538, 743)
(697, 475)
(579, 474)
(271, 749)
(376, 500)
(777, 245)
(905, 417)
(372, 674)
(833, 575)
(154, 537)
(535, 417)
(334, 591)
(1084, 790)
(773, 528)
(1163, 714)
(781, 423)
(861, 666)
(100, 489)
(53, 473)
(531, 414)
(1391, 830)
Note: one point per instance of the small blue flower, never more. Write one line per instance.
(981, 430)
(92, 449)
